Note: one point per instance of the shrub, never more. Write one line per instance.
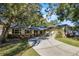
(59, 34)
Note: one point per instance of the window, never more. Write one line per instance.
(27, 31)
(16, 31)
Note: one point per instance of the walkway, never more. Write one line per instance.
(52, 47)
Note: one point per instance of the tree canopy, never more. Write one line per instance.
(22, 13)
(65, 11)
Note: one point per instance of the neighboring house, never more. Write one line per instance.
(76, 33)
(65, 26)
(67, 29)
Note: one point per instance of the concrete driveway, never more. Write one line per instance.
(52, 47)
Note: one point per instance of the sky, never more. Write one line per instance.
(53, 17)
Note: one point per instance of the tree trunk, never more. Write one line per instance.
(4, 33)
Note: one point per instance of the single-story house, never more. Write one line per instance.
(37, 31)
(30, 31)
(20, 30)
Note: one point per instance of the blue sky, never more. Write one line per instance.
(53, 17)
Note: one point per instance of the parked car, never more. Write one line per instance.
(76, 34)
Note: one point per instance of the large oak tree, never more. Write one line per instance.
(26, 14)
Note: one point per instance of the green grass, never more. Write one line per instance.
(69, 41)
(13, 50)
(18, 49)
(3, 45)
(66, 40)
(7, 47)
(30, 52)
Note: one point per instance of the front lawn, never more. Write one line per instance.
(20, 48)
(30, 52)
(69, 41)
(66, 40)
(12, 49)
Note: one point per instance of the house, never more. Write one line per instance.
(37, 31)
(21, 30)
(66, 30)
(18, 31)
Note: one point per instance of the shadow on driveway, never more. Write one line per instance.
(35, 41)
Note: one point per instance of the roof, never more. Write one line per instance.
(62, 25)
(16, 26)
(34, 28)
(38, 28)
(42, 28)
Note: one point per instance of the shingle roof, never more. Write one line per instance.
(16, 26)
(38, 28)
(62, 25)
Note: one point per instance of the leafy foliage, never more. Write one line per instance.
(21, 14)
(65, 11)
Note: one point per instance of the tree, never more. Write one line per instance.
(8, 15)
(69, 11)
(66, 11)
(55, 22)
(26, 14)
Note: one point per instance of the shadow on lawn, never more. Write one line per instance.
(9, 41)
(35, 41)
